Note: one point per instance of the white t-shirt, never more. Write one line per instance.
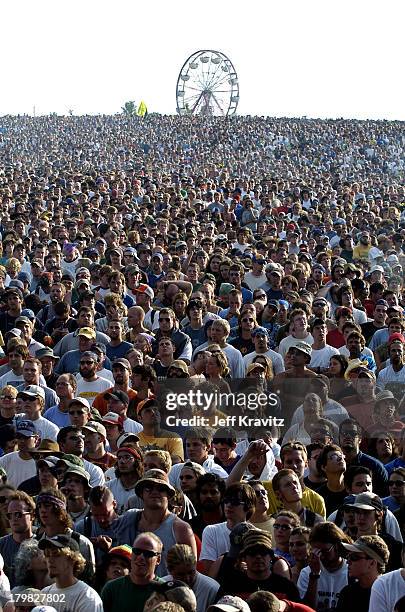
(388, 375)
(209, 466)
(386, 591)
(80, 596)
(343, 350)
(89, 390)
(215, 541)
(17, 469)
(289, 341)
(46, 429)
(329, 586)
(320, 358)
(254, 282)
(132, 426)
(276, 359)
(96, 473)
(121, 495)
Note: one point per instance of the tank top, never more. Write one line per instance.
(166, 533)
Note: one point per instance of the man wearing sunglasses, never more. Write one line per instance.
(130, 593)
(239, 506)
(366, 561)
(20, 514)
(155, 490)
(90, 384)
(257, 553)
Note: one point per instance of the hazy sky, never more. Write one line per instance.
(293, 57)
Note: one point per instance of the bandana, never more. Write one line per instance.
(48, 498)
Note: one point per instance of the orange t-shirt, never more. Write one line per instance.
(101, 404)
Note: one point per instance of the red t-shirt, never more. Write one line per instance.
(299, 607)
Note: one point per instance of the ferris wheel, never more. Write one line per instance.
(207, 85)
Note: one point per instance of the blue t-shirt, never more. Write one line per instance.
(57, 417)
(116, 352)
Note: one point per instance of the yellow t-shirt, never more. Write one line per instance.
(310, 499)
(167, 441)
(361, 251)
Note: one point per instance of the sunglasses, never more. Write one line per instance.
(147, 554)
(7, 397)
(261, 493)
(159, 488)
(396, 483)
(282, 527)
(164, 320)
(248, 320)
(16, 515)
(90, 362)
(356, 557)
(257, 550)
(233, 501)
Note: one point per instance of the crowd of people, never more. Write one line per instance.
(202, 364)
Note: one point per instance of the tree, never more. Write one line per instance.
(129, 108)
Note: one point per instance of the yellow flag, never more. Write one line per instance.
(142, 109)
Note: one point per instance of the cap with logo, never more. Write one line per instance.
(146, 290)
(112, 418)
(26, 428)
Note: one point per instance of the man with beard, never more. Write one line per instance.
(210, 490)
(71, 442)
(350, 440)
(65, 562)
(90, 385)
(128, 470)
(117, 347)
(121, 371)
